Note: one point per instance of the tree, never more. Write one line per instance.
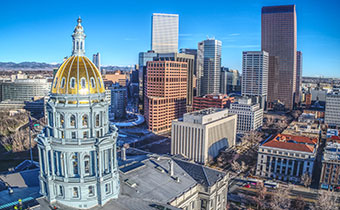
(239, 168)
(252, 137)
(326, 201)
(280, 200)
(260, 198)
(298, 203)
(306, 179)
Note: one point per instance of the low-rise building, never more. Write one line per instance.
(212, 101)
(330, 176)
(332, 113)
(200, 135)
(249, 115)
(311, 130)
(286, 157)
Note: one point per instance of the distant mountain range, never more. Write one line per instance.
(29, 66)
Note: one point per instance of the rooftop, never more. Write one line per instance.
(294, 143)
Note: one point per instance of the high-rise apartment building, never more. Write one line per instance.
(96, 60)
(165, 95)
(249, 115)
(190, 60)
(298, 77)
(332, 112)
(200, 135)
(212, 101)
(209, 66)
(164, 33)
(255, 75)
(278, 33)
(118, 101)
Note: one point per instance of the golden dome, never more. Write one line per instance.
(78, 75)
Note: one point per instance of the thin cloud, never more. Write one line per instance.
(235, 34)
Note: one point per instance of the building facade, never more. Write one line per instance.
(279, 39)
(212, 101)
(24, 89)
(330, 172)
(118, 101)
(286, 157)
(209, 66)
(332, 112)
(164, 33)
(165, 94)
(255, 66)
(190, 60)
(96, 61)
(200, 135)
(298, 90)
(249, 115)
(77, 148)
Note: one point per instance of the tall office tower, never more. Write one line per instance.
(165, 95)
(299, 61)
(224, 80)
(279, 40)
(190, 60)
(209, 66)
(200, 135)
(96, 60)
(332, 111)
(164, 33)
(77, 147)
(143, 58)
(118, 101)
(255, 66)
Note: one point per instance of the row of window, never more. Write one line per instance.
(76, 193)
(73, 82)
(72, 120)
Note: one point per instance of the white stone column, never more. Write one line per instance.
(287, 165)
(298, 168)
(52, 163)
(292, 171)
(275, 168)
(40, 161)
(65, 164)
(281, 165)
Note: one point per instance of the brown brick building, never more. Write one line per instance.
(212, 101)
(165, 94)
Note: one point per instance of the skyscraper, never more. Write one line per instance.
(164, 33)
(298, 76)
(255, 75)
(279, 40)
(165, 95)
(209, 66)
(96, 60)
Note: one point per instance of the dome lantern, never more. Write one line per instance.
(78, 39)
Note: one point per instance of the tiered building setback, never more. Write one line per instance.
(165, 94)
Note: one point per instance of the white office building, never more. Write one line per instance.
(332, 112)
(249, 115)
(286, 157)
(96, 60)
(200, 135)
(164, 33)
(255, 66)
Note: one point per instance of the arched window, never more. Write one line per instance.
(73, 120)
(73, 82)
(81, 45)
(77, 45)
(50, 119)
(62, 82)
(75, 163)
(83, 83)
(85, 120)
(97, 119)
(100, 84)
(93, 83)
(62, 121)
(87, 166)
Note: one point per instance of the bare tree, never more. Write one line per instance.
(280, 200)
(252, 137)
(239, 168)
(306, 179)
(326, 201)
(260, 198)
(298, 203)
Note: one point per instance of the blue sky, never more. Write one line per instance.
(119, 30)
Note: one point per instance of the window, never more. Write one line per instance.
(61, 190)
(63, 82)
(61, 134)
(100, 84)
(87, 164)
(97, 119)
(74, 135)
(73, 82)
(193, 205)
(83, 83)
(85, 119)
(75, 192)
(107, 188)
(85, 134)
(50, 119)
(73, 120)
(75, 164)
(93, 83)
(61, 118)
(56, 82)
(91, 191)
